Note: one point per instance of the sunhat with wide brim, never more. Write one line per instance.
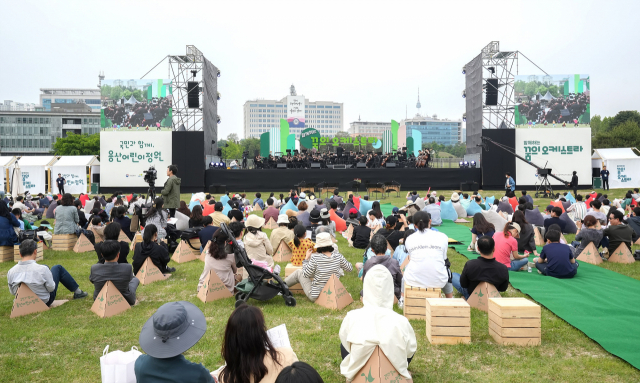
(323, 240)
(172, 330)
(255, 221)
(283, 218)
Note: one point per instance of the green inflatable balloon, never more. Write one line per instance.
(306, 137)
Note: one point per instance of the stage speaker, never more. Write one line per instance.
(361, 165)
(215, 189)
(315, 165)
(390, 165)
(491, 91)
(193, 99)
(468, 186)
(281, 166)
(595, 172)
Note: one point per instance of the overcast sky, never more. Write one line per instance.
(372, 55)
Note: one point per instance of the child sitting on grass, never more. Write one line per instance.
(556, 259)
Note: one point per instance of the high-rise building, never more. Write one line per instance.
(445, 132)
(368, 129)
(91, 97)
(10, 105)
(262, 115)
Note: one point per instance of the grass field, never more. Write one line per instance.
(64, 344)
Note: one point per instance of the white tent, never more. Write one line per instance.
(623, 165)
(74, 169)
(5, 163)
(34, 172)
(548, 96)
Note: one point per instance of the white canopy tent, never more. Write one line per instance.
(623, 165)
(74, 169)
(34, 172)
(5, 163)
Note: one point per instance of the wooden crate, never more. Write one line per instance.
(6, 253)
(448, 320)
(63, 242)
(514, 321)
(415, 301)
(288, 270)
(18, 258)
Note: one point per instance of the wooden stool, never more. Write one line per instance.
(448, 320)
(514, 321)
(6, 254)
(415, 304)
(288, 270)
(63, 242)
(17, 257)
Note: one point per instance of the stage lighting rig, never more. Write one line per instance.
(464, 69)
(473, 164)
(464, 93)
(218, 73)
(218, 119)
(464, 117)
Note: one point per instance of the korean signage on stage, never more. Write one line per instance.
(295, 112)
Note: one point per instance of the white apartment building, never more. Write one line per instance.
(11, 106)
(368, 129)
(91, 97)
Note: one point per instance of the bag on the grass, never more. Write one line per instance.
(117, 366)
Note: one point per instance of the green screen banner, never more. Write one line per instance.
(306, 137)
(264, 144)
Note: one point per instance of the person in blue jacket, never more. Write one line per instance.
(8, 221)
(510, 184)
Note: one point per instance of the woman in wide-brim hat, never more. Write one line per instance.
(256, 242)
(172, 330)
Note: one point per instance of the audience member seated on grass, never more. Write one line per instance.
(120, 274)
(556, 212)
(494, 207)
(283, 232)
(634, 220)
(506, 247)
(24, 224)
(303, 213)
(427, 248)
(209, 207)
(299, 372)
(82, 218)
(319, 265)
(184, 209)
(527, 238)
(618, 233)
(505, 206)
(42, 281)
(434, 211)
(42, 232)
(237, 229)
(97, 212)
(485, 268)
(270, 211)
(314, 221)
(112, 233)
(98, 229)
(412, 196)
(256, 242)
(481, 227)
(52, 207)
(258, 200)
(207, 232)
(589, 231)
(150, 248)
(376, 219)
(235, 214)
(400, 253)
(533, 216)
(93, 204)
(66, 217)
(527, 196)
(157, 216)
(379, 248)
(478, 200)
(361, 234)
(556, 259)
(218, 217)
(196, 217)
(579, 209)
(218, 260)
(390, 233)
(299, 245)
(173, 329)
(353, 218)
(455, 200)
(249, 354)
(120, 217)
(597, 211)
(513, 201)
(376, 324)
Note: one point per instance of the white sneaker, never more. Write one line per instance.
(401, 302)
(276, 269)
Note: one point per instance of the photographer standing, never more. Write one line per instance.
(171, 191)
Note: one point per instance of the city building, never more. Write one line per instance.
(368, 129)
(24, 133)
(90, 96)
(10, 105)
(262, 115)
(445, 132)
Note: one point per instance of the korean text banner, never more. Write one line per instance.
(295, 112)
(125, 155)
(561, 149)
(75, 177)
(33, 179)
(624, 173)
(136, 104)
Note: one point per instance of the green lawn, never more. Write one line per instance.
(64, 344)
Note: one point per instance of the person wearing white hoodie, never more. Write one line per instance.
(376, 324)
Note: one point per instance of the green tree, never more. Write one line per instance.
(624, 116)
(77, 144)
(250, 145)
(542, 90)
(232, 151)
(530, 89)
(116, 93)
(553, 89)
(138, 95)
(625, 135)
(233, 137)
(519, 86)
(126, 94)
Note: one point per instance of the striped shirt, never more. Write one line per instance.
(579, 210)
(320, 267)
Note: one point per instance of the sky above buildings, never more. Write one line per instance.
(370, 55)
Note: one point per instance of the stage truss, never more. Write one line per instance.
(181, 71)
(504, 67)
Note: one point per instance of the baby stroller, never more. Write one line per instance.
(256, 286)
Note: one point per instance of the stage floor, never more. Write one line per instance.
(284, 179)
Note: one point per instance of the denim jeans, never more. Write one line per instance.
(516, 264)
(455, 281)
(60, 275)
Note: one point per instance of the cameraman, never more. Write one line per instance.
(171, 191)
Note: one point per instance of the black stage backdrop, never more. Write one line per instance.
(495, 161)
(284, 179)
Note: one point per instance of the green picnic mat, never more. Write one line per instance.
(386, 209)
(601, 303)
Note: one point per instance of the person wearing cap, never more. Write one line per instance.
(376, 325)
(282, 232)
(302, 196)
(314, 220)
(353, 218)
(326, 225)
(506, 247)
(318, 267)
(434, 211)
(271, 211)
(455, 200)
(427, 249)
(256, 242)
(172, 330)
(248, 352)
(218, 217)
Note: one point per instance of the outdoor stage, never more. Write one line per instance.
(285, 179)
